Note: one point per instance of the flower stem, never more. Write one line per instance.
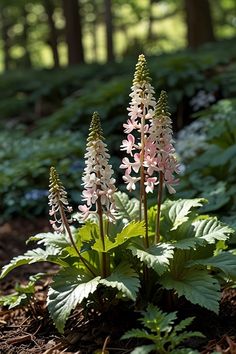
(159, 199)
(143, 196)
(103, 254)
(67, 227)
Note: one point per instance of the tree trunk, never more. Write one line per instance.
(5, 38)
(109, 31)
(73, 31)
(53, 40)
(94, 31)
(27, 58)
(199, 22)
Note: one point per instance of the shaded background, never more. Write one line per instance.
(61, 60)
(53, 33)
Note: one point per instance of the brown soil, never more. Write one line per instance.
(30, 330)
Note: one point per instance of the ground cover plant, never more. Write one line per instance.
(120, 250)
(213, 138)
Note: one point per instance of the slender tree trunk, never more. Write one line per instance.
(27, 61)
(53, 40)
(199, 22)
(109, 30)
(73, 31)
(5, 38)
(94, 31)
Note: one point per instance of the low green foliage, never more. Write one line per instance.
(185, 261)
(23, 293)
(210, 171)
(160, 328)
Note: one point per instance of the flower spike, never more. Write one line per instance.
(137, 127)
(58, 202)
(161, 135)
(141, 75)
(97, 178)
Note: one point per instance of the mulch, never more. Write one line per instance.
(29, 330)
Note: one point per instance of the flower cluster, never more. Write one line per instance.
(140, 113)
(58, 202)
(159, 144)
(149, 136)
(99, 185)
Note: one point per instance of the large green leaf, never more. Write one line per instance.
(188, 243)
(131, 230)
(177, 212)
(70, 287)
(125, 279)
(224, 261)
(211, 230)
(52, 254)
(127, 209)
(197, 286)
(50, 239)
(87, 233)
(156, 257)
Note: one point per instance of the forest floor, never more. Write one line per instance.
(30, 330)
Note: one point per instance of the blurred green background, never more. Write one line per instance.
(61, 60)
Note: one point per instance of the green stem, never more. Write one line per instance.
(103, 257)
(67, 227)
(159, 199)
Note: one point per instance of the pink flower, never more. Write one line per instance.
(84, 210)
(128, 145)
(130, 126)
(149, 183)
(130, 181)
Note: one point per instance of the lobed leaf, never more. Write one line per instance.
(125, 279)
(133, 229)
(51, 254)
(156, 257)
(224, 261)
(135, 333)
(195, 285)
(50, 239)
(211, 230)
(87, 233)
(153, 317)
(70, 287)
(126, 208)
(175, 213)
(188, 243)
